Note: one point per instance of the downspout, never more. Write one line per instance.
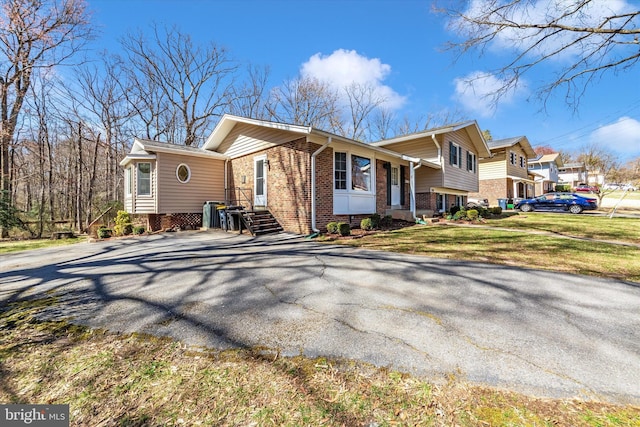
(226, 171)
(314, 228)
(435, 141)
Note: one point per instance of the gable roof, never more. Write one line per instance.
(548, 158)
(146, 149)
(471, 126)
(498, 144)
(228, 122)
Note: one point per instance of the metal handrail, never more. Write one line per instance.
(239, 200)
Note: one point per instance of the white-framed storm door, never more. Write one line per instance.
(395, 185)
(260, 181)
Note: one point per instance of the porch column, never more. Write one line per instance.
(412, 188)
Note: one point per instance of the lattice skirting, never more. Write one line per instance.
(184, 221)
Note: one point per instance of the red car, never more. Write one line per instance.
(586, 188)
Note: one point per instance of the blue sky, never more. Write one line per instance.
(395, 45)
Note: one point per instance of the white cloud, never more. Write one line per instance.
(623, 136)
(345, 67)
(477, 92)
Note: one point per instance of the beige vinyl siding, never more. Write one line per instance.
(144, 204)
(427, 178)
(493, 168)
(246, 139)
(458, 178)
(423, 148)
(516, 170)
(206, 183)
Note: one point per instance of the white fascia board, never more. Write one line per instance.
(228, 121)
(131, 157)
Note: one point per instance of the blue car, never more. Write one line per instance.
(574, 203)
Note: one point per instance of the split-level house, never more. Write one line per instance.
(302, 176)
(505, 174)
(546, 167)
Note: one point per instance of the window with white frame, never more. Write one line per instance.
(471, 162)
(144, 179)
(128, 181)
(360, 173)
(340, 168)
(455, 154)
(459, 201)
(183, 173)
(523, 163)
(512, 158)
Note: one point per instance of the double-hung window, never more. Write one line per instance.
(512, 158)
(340, 168)
(128, 181)
(144, 179)
(522, 162)
(455, 154)
(471, 162)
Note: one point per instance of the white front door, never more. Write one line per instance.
(395, 185)
(260, 181)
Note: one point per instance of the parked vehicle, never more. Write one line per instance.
(476, 203)
(586, 188)
(574, 203)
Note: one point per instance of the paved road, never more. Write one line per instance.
(537, 332)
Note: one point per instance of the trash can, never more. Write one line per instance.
(502, 203)
(210, 217)
(510, 204)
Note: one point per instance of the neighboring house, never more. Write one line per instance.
(546, 166)
(505, 174)
(303, 176)
(572, 174)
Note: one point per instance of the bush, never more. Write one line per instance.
(386, 221)
(332, 228)
(454, 210)
(139, 229)
(367, 224)
(123, 225)
(375, 220)
(459, 214)
(472, 214)
(564, 187)
(496, 210)
(344, 229)
(104, 232)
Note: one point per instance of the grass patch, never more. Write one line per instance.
(7, 246)
(589, 226)
(566, 248)
(135, 380)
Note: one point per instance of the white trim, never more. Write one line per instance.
(188, 173)
(265, 168)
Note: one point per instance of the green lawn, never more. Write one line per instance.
(558, 242)
(7, 246)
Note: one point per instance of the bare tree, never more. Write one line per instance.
(585, 39)
(33, 34)
(362, 101)
(305, 101)
(600, 162)
(190, 83)
(248, 99)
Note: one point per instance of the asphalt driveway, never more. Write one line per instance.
(537, 332)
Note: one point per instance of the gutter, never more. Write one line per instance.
(226, 190)
(313, 184)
